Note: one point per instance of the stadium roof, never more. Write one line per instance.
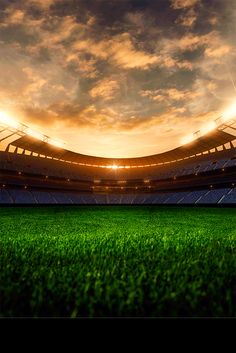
(18, 138)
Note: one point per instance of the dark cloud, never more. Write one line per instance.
(17, 34)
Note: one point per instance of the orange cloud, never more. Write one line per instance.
(213, 43)
(85, 67)
(106, 89)
(126, 56)
(183, 4)
(14, 16)
(191, 42)
(120, 51)
(188, 19)
(62, 29)
(217, 51)
(213, 20)
(36, 82)
(153, 95)
(45, 4)
(171, 94)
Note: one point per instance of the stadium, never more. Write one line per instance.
(38, 170)
(51, 244)
(108, 209)
(91, 252)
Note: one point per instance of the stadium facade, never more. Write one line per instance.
(35, 169)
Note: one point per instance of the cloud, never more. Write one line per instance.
(120, 51)
(91, 117)
(13, 17)
(167, 61)
(183, 4)
(74, 115)
(188, 19)
(126, 56)
(218, 51)
(213, 20)
(191, 41)
(170, 94)
(85, 67)
(106, 89)
(44, 4)
(212, 43)
(154, 95)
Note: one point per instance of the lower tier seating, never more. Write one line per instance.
(11, 196)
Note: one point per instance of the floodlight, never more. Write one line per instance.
(187, 139)
(113, 166)
(208, 128)
(229, 113)
(7, 120)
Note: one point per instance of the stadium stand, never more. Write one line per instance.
(219, 196)
(229, 198)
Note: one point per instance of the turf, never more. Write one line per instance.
(117, 261)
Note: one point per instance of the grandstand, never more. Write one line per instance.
(35, 169)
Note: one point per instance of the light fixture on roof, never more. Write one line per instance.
(9, 121)
(187, 139)
(229, 113)
(208, 127)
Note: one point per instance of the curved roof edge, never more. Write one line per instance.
(19, 139)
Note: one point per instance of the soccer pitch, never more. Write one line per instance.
(137, 261)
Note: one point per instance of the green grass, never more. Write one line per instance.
(117, 261)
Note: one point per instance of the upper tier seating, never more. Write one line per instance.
(52, 168)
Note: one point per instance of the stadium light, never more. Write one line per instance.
(187, 139)
(229, 113)
(208, 128)
(114, 167)
(203, 131)
(7, 120)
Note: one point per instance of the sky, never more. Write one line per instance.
(117, 78)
